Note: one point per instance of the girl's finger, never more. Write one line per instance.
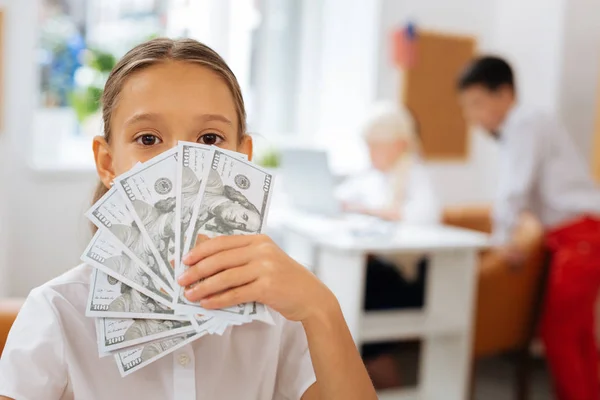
(214, 264)
(229, 298)
(209, 247)
(226, 280)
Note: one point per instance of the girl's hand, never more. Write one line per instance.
(513, 255)
(385, 214)
(353, 208)
(229, 270)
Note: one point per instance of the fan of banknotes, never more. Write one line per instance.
(149, 218)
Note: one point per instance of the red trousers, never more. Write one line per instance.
(567, 325)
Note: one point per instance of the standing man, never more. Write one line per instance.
(542, 172)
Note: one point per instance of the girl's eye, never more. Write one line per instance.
(210, 139)
(148, 140)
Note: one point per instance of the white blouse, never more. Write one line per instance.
(373, 189)
(51, 353)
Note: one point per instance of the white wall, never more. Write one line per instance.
(556, 55)
(471, 181)
(554, 47)
(580, 71)
(45, 228)
(347, 76)
(43, 231)
(465, 17)
(532, 41)
(4, 190)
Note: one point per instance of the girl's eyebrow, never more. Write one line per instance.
(213, 117)
(153, 117)
(142, 117)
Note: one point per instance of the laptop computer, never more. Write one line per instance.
(308, 181)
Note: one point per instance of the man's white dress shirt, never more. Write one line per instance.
(541, 171)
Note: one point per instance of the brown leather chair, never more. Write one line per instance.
(509, 298)
(9, 308)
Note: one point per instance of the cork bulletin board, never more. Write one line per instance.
(429, 91)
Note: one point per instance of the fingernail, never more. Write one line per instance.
(188, 293)
(186, 259)
(201, 238)
(204, 302)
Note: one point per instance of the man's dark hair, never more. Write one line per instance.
(489, 72)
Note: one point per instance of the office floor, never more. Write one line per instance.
(494, 377)
(495, 380)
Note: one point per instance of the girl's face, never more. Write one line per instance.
(162, 104)
(384, 154)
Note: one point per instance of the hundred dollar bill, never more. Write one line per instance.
(131, 360)
(235, 200)
(111, 298)
(149, 192)
(107, 254)
(260, 312)
(204, 323)
(117, 334)
(191, 164)
(111, 214)
(213, 325)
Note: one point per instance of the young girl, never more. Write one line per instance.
(163, 91)
(396, 188)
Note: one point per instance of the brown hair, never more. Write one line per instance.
(154, 52)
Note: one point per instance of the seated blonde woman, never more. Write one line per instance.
(395, 188)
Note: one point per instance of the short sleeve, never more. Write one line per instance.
(421, 205)
(350, 191)
(295, 373)
(32, 364)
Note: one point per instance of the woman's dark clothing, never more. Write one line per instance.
(387, 289)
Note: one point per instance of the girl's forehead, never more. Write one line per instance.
(175, 87)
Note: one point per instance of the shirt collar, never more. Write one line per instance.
(511, 116)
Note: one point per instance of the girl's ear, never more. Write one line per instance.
(103, 159)
(401, 145)
(246, 146)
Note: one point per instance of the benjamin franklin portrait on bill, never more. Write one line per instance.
(225, 210)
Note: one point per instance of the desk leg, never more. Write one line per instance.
(344, 274)
(300, 249)
(446, 359)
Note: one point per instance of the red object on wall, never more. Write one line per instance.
(404, 46)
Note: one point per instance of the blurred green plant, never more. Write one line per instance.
(101, 61)
(85, 100)
(271, 158)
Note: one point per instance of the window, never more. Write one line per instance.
(79, 43)
(80, 40)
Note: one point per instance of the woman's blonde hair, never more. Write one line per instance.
(389, 122)
(160, 50)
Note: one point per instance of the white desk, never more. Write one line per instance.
(444, 325)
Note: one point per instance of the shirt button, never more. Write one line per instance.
(183, 359)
